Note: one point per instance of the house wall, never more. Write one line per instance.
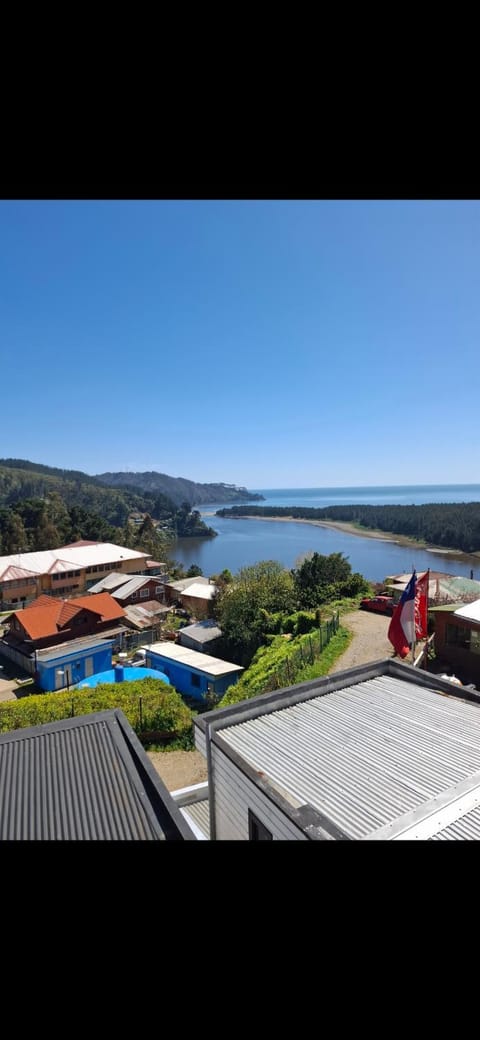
(13, 592)
(80, 663)
(234, 795)
(180, 676)
(200, 608)
(26, 663)
(136, 599)
(460, 656)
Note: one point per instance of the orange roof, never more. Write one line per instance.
(45, 616)
(101, 603)
(39, 622)
(39, 601)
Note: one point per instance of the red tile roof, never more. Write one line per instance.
(101, 603)
(39, 622)
(46, 616)
(39, 602)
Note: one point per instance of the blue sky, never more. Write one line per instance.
(264, 343)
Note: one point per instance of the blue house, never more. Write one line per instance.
(60, 667)
(192, 673)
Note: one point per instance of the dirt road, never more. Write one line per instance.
(369, 641)
(179, 768)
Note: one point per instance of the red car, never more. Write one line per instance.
(379, 604)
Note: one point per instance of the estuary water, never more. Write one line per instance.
(240, 543)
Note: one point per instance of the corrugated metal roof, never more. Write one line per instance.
(111, 581)
(82, 779)
(75, 646)
(73, 556)
(200, 591)
(192, 658)
(14, 573)
(137, 581)
(368, 754)
(466, 829)
(180, 586)
(202, 631)
(198, 813)
(471, 611)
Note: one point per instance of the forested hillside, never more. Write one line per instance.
(178, 488)
(451, 525)
(43, 508)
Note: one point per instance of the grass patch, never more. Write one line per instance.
(336, 647)
(286, 662)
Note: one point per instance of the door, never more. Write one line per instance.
(88, 667)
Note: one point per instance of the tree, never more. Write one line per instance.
(149, 539)
(14, 535)
(323, 578)
(242, 607)
(194, 571)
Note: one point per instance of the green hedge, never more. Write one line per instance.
(154, 710)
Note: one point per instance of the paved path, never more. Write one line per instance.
(8, 690)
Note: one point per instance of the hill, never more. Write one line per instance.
(179, 489)
(20, 480)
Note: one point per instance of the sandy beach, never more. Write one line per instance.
(383, 536)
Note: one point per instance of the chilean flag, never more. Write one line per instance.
(401, 630)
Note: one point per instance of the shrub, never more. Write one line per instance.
(153, 709)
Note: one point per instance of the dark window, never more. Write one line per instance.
(257, 830)
(195, 679)
(457, 635)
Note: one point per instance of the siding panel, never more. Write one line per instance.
(235, 794)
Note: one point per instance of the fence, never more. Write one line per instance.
(422, 660)
(307, 653)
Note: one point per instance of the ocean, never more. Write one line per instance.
(240, 543)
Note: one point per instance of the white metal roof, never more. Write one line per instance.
(471, 611)
(110, 581)
(197, 591)
(135, 582)
(384, 758)
(192, 658)
(73, 556)
(180, 586)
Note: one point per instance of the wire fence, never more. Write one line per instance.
(307, 653)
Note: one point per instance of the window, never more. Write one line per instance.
(457, 635)
(158, 588)
(195, 679)
(475, 641)
(257, 830)
(143, 593)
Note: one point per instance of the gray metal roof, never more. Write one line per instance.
(381, 758)
(198, 813)
(75, 646)
(83, 779)
(465, 829)
(111, 581)
(201, 632)
(136, 582)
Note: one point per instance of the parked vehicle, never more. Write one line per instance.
(379, 604)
